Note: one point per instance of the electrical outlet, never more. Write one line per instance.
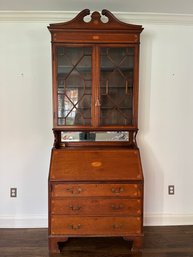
(171, 189)
(13, 192)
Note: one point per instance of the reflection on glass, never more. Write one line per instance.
(65, 107)
(95, 136)
(74, 85)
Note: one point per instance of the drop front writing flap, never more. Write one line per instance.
(94, 165)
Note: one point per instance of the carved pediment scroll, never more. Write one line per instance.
(96, 22)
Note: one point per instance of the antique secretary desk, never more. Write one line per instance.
(96, 178)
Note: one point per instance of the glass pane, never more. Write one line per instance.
(95, 136)
(116, 85)
(74, 82)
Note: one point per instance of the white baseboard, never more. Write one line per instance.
(41, 221)
(167, 219)
(31, 221)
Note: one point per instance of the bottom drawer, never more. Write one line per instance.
(119, 226)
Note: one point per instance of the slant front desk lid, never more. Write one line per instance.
(95, 165)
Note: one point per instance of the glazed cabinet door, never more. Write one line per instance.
(73, 85)
(95, 86)
(117, 65)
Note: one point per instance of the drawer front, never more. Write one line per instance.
(78, 190)
(96, 206)
(119, 226)
(97, 37)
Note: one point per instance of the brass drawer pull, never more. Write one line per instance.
(117, 190)
(74, 227)
(74, 208)
(117, 226)
(74, 190)
(117, 207)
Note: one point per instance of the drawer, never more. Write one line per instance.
(109, 226)
(96, 206)
(95, 38)
(78, 190)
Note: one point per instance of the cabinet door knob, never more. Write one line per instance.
(117, 190)
(74, 227)
(97, 104)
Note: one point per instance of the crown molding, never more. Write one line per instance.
(36, 16)
(61, 16)
(157, 18)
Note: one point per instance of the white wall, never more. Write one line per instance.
(165, 122)
(26, 121)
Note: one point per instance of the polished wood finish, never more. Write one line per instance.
(95, 34)
(100, 226)
(95, 23)
(95, 188)
(100, 195)
(172, 241)
(97, 206)
(101, 164)
(98, 189)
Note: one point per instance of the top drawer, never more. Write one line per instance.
(60, 37)
(128, 190)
